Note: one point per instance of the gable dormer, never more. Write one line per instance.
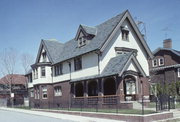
(85, 34)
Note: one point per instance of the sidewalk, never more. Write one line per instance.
(61, 116)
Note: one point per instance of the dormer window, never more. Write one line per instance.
(125, 33)
(161, 61)
(82, 41)
(154, 63)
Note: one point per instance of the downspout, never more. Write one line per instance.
(70, 85)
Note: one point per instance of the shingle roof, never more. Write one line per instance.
(114, 66)
(89, 30)
(60, 52)
(168, 49)
(16, 79)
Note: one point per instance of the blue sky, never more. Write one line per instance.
(23, 23)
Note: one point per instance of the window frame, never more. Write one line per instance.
(43, 71)
(154, 63)
(44, 56)
(160, 61)
(58, 69)
(58, 91)
(77, 63)
(44, 92)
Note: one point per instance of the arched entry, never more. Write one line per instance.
(130, 87)
(109, 86)
(92, 88)
(79, 90)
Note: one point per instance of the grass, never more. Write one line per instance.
(22, 107)
(121, 111)
(152, 105)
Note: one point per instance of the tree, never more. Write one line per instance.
(8, 64)
(26, 61)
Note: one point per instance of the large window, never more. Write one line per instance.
(57, 91)
(161, 61)
(178, 72)
(43, 71)
(58, 69)
(44, 92)
(154, 63)
(77, 63)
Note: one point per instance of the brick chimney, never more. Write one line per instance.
(167, 43)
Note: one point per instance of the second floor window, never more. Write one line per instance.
(161, 61)
(154, 63)
(43, 71)
(178, 72)
(58, 69)
(77, 63)
(35, 73)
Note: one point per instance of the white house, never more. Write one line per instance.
(109, 60)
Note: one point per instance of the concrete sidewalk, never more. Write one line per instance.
(61, 116)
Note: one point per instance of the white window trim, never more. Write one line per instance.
(153, 62)
(58, 92)
(160, 62)
(178, 71)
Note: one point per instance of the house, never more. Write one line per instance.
(104, 64)
(13, 87)
(165, 66)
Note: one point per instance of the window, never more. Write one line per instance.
(57, 91)
(58, 69)
(77, 63)
(31, 93)
(44, 92)
(44, 56)
(36, 93)
(82, 41)
(161, 61)
(125, 33)
(43, 71)
(178, 72)
(154, 63)
(35, 72)
(29, 78)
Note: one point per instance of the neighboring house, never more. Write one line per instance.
(15, 84)
(165, 66)
(107, 60)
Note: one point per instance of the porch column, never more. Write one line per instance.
(100, 87)
(85, 88)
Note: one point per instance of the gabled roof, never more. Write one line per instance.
(53, 49)
(16, 79)
(119, 64)
(167, 49)
(58, 52)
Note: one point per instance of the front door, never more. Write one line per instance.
(130, 88)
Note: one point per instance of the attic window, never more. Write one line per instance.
(82, 41)
(44, 56)
(125, 33)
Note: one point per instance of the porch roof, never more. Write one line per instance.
(114, 67)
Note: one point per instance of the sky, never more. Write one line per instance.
(23, 23)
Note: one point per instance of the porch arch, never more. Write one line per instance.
(92, 88)
(79, 92)
(109, 86)
(130, 87)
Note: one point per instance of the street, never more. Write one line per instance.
(12, 116)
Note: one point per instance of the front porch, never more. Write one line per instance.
(107, 92)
